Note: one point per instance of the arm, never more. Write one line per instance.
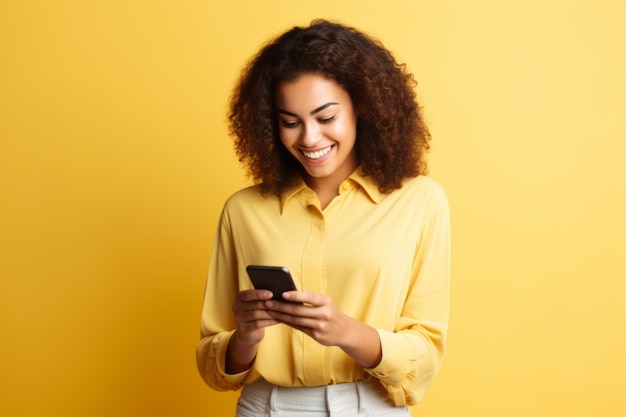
(233, 321)
(217, 322)
(419, 335)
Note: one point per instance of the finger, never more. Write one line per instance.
(295, 321)
(302, 329)
(259, 324)
(246, 307)
(254, 295)
(253, 315)
(296, 308)
(287, 307)
(305, 298)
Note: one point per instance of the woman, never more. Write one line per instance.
(327, 123)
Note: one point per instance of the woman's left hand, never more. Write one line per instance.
(318, 316)
(321, 319)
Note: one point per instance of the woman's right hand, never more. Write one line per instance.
(252, 318)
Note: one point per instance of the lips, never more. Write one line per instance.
(318, 154)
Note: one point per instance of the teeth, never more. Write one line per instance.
(317, 154)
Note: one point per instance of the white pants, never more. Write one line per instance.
(366, 399)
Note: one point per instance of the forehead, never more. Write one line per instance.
(308, 92)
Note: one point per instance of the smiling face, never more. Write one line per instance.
(317, 125)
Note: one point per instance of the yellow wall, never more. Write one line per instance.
(115, 162)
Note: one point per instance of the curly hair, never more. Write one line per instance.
(392, 138)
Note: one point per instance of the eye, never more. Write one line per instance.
(288, 124)
(327, 119)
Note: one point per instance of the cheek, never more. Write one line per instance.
(346, 131)
(288, 137)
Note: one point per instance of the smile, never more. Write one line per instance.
(318, 154)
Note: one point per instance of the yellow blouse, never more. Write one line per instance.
(384, 259)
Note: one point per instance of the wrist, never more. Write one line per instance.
(239, 355)
(363, 344)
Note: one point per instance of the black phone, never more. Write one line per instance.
(277, 279)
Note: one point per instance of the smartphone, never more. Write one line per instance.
(277, 279)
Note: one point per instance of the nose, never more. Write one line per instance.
(310, 135)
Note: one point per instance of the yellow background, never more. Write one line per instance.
(115, 162)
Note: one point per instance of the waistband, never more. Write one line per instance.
(351, 391)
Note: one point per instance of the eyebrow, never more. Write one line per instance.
(317, 110)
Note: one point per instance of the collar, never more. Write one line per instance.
(355, 180)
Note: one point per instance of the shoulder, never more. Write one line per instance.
(248, 197)
(425, 187)
(244, 195)
(420, 196)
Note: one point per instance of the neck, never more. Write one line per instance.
(325, 189)
(327, 186)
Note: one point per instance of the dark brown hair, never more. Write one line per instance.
(391, 135)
